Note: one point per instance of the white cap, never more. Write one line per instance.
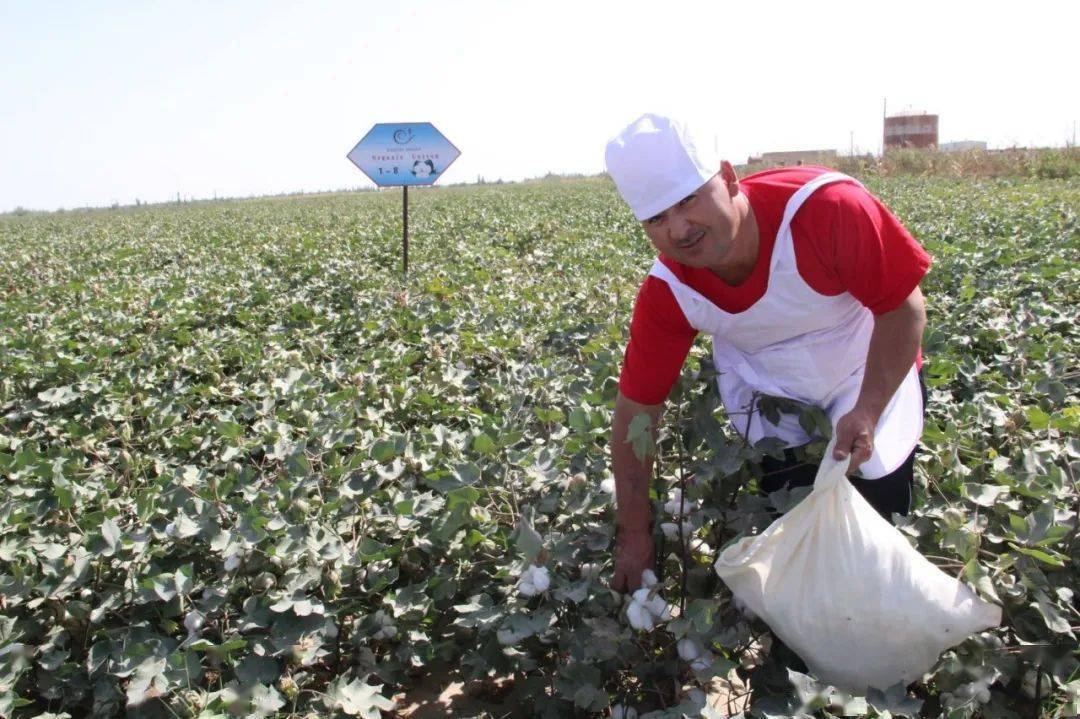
(655, 162)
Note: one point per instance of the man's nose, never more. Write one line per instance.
(678, 227)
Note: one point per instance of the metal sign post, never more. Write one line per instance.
(403, 153)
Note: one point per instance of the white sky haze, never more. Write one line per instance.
(104, 102)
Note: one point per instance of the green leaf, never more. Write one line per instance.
(528, 540)
(1046, 557)
(356, 698)
(111, 533)
(639, 434)
(265, 700)
(484, 444)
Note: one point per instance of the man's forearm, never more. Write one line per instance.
(632, 476)
(894, 345)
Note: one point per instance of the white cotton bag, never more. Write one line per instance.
(843, 588)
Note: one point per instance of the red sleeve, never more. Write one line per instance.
(857, 245)
(660, 340)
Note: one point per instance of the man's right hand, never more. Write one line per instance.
(634, 554)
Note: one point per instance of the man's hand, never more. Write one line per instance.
(633, 555)
(894, 344)
(855, 438)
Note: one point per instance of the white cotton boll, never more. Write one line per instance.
(534, 580)
(659, 608)
(386, 632)
(702, 663)
(697, 696)
(688, 649)
(639, 617)
(171, 530)
(641, 596)
(232, 562)
(702, 548)
(620, 712)
(648, 578)
(608, 485)
(541, 579)
(677, 505)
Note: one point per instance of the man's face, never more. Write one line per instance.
(699, 230)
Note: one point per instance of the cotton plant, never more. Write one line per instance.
(647, 608)
(533, 581)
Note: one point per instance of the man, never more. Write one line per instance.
(809, 287)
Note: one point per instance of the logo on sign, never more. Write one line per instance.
(403, 136)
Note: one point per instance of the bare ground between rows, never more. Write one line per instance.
(442, 693)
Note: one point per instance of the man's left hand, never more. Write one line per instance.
(855, 438)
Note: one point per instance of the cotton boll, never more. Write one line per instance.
(648, 578)
(688, 649)
(659, 608)
(541, 579)
(608, 486)
(232, 562)
(641, 596)
(639, 617)
(677, 504)
(620, 712)
(534, 580)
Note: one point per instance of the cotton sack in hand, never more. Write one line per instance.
(843, 588)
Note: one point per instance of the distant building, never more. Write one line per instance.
(911, 130)
(794, 157)
(962, 146)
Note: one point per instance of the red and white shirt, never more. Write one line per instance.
(845, 240)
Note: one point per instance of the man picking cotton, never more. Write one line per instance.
(809, 288)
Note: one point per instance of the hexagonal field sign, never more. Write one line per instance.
(403, 153)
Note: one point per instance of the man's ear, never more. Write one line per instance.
(731, 180)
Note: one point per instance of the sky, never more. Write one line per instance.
(109, 102)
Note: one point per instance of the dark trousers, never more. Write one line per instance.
(889, 494)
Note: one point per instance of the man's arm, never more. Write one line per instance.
(894, 344)
(633, 514)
